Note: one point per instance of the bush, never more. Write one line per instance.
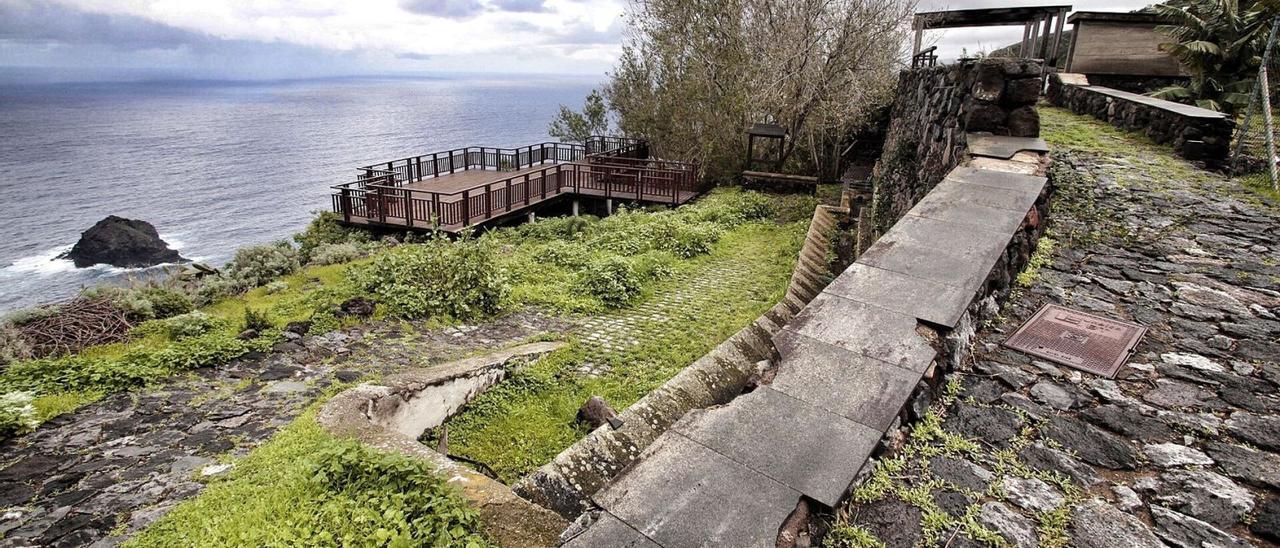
(183, 326)
(613, 280)
(731, 209)
(19, 318)
(556, 228)
(134, 368)
(387, 499)
(17, 414)
(165, 302)
(277, 287)
(13, 348)
(325, 230)
(146, 302)
(439, 278)
(562, 253)
(256, 265)
(256, 320)
(250, 267)
(338, 253)
(691, 240)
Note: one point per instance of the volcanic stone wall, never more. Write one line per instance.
(933, 109)
(1194, 133)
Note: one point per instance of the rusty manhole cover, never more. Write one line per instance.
(1086, 342)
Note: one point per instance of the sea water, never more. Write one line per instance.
(219, 165)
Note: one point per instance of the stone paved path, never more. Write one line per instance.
(99, 474)
(618, 331)
(1181, 449)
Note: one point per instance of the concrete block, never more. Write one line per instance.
(680, 493)
(612, 532)
(859, 388)
(864, 329)
(802, 446)
(926, 300)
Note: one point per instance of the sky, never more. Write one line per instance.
(278, 39)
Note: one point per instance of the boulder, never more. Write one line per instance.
(126, 243)
(359, 307)
(596, 412)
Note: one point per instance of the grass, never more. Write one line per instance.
(528, 419)
(1066, 131)
(272, 498)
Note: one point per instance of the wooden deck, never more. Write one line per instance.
(450, 192)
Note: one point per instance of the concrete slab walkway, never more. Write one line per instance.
(1181, 449)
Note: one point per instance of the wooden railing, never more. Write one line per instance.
(426, 166)
(602, 166)
(382, 200)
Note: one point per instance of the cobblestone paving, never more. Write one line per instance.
(1181, 449)
(99, 474)
(617, 332)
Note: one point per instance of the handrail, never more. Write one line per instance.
(412, 168)
(407, 206)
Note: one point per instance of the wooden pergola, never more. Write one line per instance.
(1037, 21)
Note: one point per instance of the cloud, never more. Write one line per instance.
(46, 22)
(449, 9)
(585, 34)
(521, 6)
(223, 37)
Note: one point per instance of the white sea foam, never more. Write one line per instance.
(42, 264)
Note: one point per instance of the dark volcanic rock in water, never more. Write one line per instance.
(121, 242)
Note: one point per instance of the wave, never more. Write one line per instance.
(48, 263)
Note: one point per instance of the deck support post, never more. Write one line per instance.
(608, 206)
(532, 217)
(575, 208)
(466, 207)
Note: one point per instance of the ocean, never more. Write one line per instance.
(220, 165)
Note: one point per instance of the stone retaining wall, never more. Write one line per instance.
(566, 483)
(391, 413)
(860, 361)
(933, 109)
(1194, 133)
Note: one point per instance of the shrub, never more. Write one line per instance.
(277, 287)
(389, 500)
(136, 367)
(146, 302)
(251, 267)
(256, 265)
(165, 302)
(731, 209)
(562, 253)
(325, 230)
(182, 326)
(691, 240)
(256, 320)
(556, 228)
(17, 414)
(13, 348)
(19, 318)
(613, 280)
(338, 253)
(439, 278)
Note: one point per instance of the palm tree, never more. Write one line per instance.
(1219, 43)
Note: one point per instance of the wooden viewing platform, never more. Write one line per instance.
(459, 188)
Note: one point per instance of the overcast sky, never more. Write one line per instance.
(301, 38)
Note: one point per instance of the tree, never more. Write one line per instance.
(1219, 43)
(578, 126)
(694, 74)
